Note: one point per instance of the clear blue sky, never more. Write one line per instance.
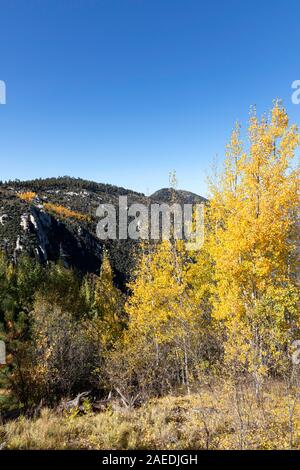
(123, 91)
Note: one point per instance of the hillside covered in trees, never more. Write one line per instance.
(55, 219)
(199, 350)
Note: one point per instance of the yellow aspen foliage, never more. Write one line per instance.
(162, 310)
(253, 242)
(65, 212)
(158, 292)
(108, 305)
(27, 196)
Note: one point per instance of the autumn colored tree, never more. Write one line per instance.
(253, 243)
(27, 196)
(164, 341)
(65, 211)
(107, 305)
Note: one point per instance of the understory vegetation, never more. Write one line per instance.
(223, 416)
(196, 352)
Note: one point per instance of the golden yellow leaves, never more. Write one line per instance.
(27, 196)
(65, 212)
(253, 222)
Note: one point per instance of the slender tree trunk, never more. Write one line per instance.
(186, 368)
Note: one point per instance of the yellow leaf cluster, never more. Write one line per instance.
(27, 196)
(65, 212)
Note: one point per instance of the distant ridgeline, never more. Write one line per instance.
(54, 219)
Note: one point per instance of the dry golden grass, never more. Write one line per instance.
(218, 418)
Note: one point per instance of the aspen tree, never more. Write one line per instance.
(253, 243)
(161, 310)
(108, 304)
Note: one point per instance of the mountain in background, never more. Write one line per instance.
(167, 195)
(54, 218)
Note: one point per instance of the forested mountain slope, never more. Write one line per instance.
(54, 218)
